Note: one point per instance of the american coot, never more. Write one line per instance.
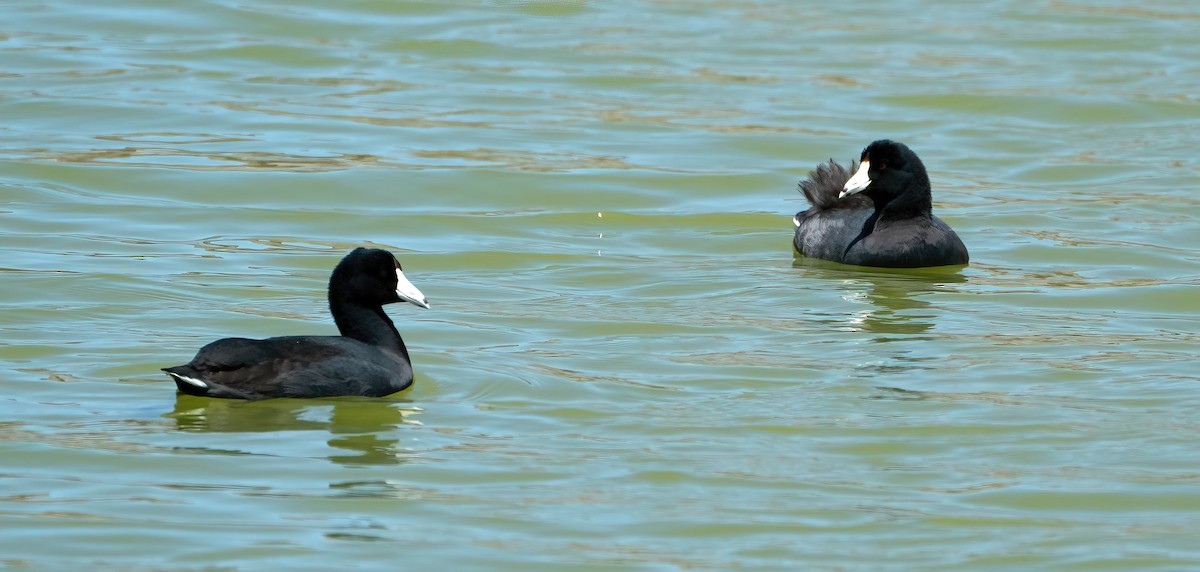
(882, 216)
(369, 358)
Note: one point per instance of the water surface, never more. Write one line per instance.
(624, 367)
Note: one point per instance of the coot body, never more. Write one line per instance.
(368, 358)
(879, 216)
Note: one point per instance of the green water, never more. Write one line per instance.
(623, 368)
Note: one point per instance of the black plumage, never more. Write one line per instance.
(368, 358)
(879, 216)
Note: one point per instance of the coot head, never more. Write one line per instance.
(886, 170)
(373, 277)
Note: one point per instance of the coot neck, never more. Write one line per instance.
(915, 201)
(366, 324)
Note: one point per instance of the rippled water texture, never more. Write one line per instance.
(624, 368)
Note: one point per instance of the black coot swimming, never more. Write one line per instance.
(369, 358)
(881, 216)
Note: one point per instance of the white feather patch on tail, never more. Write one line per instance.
(189, 380)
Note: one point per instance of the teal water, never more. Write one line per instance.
(624, 367)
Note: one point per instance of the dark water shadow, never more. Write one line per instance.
(897, 296)
(356, 425)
